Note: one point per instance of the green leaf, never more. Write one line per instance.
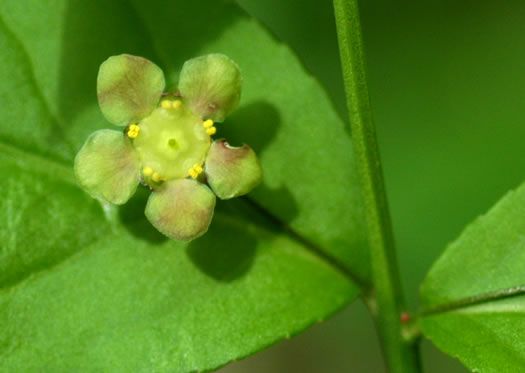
(284, 115)
(124, 303)
(41, 216)
(474, 295)
(96, 288)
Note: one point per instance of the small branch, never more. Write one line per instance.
(401, 354)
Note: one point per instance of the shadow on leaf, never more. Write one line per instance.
(254, 124)
(287, 209)
(132, 217)
(228, 250)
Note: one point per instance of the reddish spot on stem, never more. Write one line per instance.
(405, 317)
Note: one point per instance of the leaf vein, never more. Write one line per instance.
(38, 90)
(476, 299)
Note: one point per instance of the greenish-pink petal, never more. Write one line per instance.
(107, 166)
(211, 86)
(181, 209)
(128, 88)
(232, 171)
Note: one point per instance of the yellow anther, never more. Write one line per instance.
(166, 104)
(133, 131)
(156, 177)
(176, 104)
(197, 168)
(195, 171)
(147, 171)
(211, 131)
(207, 123)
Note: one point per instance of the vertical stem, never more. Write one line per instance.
(401, 355)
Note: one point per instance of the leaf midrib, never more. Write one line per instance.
(27, 159)
(38, 90)
(474, 300)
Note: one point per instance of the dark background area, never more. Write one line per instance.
(447, 84)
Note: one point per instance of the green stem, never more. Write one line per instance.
(401, 355)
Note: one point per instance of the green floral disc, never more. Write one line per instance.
(171, 141)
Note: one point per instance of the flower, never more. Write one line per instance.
(166, 143)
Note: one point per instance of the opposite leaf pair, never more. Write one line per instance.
(167, 143)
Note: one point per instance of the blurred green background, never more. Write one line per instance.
(447, 84)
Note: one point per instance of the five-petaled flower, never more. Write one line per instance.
(166, 143)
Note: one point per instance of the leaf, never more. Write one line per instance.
(474, 295)
(85, 288)
(41, 217)
(285, 116)
(124, 304)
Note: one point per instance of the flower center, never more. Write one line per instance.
(172, 141)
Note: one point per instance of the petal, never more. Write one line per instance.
(181, 209)
(128, 88)
(232, 171)
(108, 166)
(211, 86)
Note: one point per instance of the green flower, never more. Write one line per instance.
(166, 144)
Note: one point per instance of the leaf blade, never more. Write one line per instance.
(474, 291)
(144, 305)
(268, 275)
(489, 341)
(303, 144)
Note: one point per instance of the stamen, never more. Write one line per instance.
(198, 168)
(176, 104)
(195, 171)
(147, 171)
(133, 131)
(207, 123)
(166, 104)
(156, 177)
(211, 131)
